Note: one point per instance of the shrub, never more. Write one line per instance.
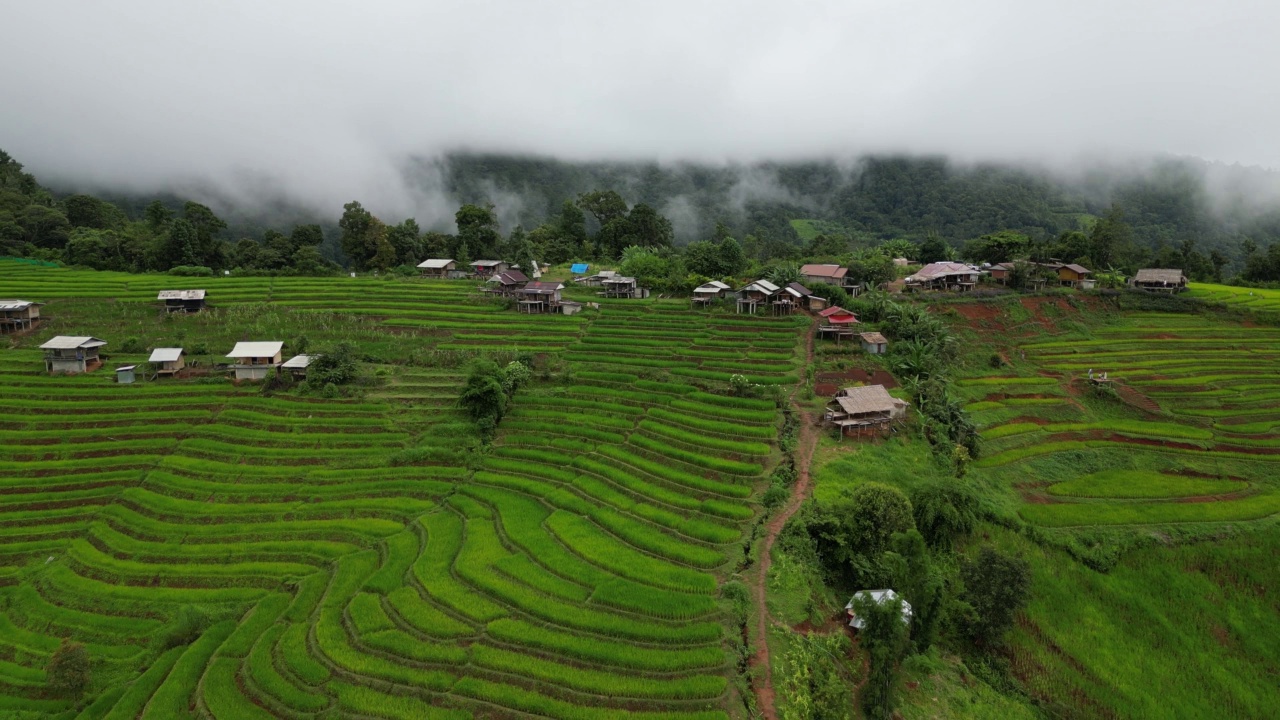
(68, 668)
(185, 627)
(335, 366)
(996, 586)
(131, 345)
(191, 271)
(944, 510)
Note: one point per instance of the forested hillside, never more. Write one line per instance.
(1215, 221)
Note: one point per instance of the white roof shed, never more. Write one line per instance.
(72, 342)
(878, 597)
(256, 349)
(165, 355)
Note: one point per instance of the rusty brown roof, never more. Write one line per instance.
(1168, 276)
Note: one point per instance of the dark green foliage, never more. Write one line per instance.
(478, 231)
(812, 677)
(483, 396)
(944, 510)
(183, 629)
(934, 249)
(917, 581)
(996, 587)
(131, 345)
(884, 638)
(68, 669)
(337, 365)
(998, 247)
(852, 533)
(191, 271)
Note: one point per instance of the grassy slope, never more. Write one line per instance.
(1181, 599)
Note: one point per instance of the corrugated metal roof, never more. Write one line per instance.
(543, 287)
(763, 286)
(1169, 276)
(486, 263)
(1078, 269)
(298, 362)
(268, 348)
(435, 264)
(942, 269)
(823, 270)
(619, 280)
(17, 304)
(72, 342)
(165, 355)
(799, 290)
(125, 368)
(180, 295)
(510, 277)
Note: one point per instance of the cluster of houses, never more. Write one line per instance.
(248, 360)
(959, 277)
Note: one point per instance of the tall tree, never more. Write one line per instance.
(157, 216)
(996, 586)
(362, 233)
(478, 228)
(604, 205)
(207, 226)
(406, 239)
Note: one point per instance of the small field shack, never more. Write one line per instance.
(297, 366)
(483, 269)
(168, 361)
(879, 597)
(874, 343)
(72, 354)
(621, 286)
(709, 292)
(1167, 280)
(952, 276)
(125, 374)
(753, 296)
(855, 409)
(182, 300)
(253, 360)
(828, 274)
(539, 297)
(441, 269)
(18, 315)
(837, 323)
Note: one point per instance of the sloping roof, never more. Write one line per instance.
(269, 348)
(867, 399)
(165, 355)
(298, 362)
(180, 295)
(579, 267)
(834, 309)
(798, 290)
(17, 304)
(1168, 276)
(72, 342)
(435, 264)
(942, 269)
(619, 280)
(126, 368)
(763, 286)
(714, 286)
(1078, 269)
(486, 263)
(827, 271)
(510, 277)
(542, 287)
(873, 337)
(878, 597)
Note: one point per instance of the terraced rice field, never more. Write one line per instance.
(1193, 435)
(1257, 300)
(361, 557)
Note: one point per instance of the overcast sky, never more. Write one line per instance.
(324, 98)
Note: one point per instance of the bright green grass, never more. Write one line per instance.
(1142, 484)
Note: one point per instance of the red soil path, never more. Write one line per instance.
(808, 440)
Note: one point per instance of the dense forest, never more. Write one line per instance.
(1207, 219)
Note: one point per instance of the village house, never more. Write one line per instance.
(72, 354)
(441, 269)
(862, 408)
(252, 360)
(619, 286)
(874, 343)
(944, 276)
(753, 295)
(1159, 280)
(598, 279)
(1076, 276)
(539, 297)
(168, 361)
(829, 274)
(483, 269)
(801, 296)
(297, 366)
(879, 597)
(182, 300)
(1068, 274)
(507, 283)
(709, 292)
(838, 323)
(18, 315)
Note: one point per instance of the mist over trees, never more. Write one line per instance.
(727, 219)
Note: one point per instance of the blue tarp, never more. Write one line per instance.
(578, 268)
